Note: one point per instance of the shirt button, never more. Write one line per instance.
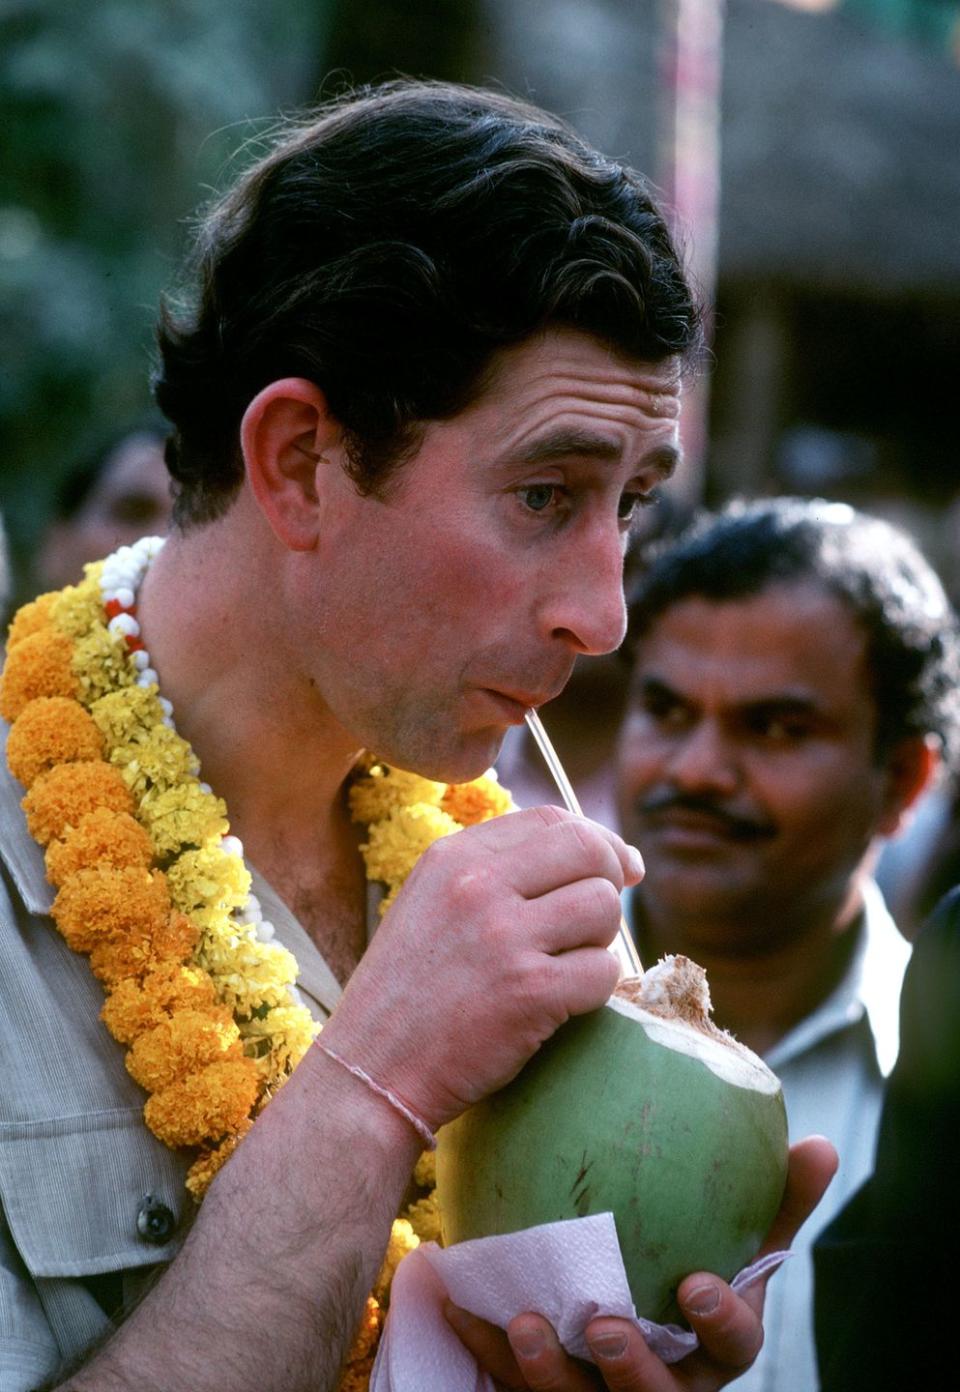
(155, 1222)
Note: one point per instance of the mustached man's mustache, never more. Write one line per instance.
(664, 801)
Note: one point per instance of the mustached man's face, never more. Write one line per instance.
(446, 609)
(747, 769)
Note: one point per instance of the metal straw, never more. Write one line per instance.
(624, 947)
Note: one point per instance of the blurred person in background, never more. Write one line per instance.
(120, 494)
(4, 579)
(794, 685)
(885, 1302)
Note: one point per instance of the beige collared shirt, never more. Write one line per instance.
(90, 1201)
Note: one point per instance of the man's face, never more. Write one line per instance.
(747, 774)
(463, 597)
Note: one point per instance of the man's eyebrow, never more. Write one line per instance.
(653, 689)
(561, 444)
(786, 704)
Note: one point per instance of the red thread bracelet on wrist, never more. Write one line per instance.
(417, 1122)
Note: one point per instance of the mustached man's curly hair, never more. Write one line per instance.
(891, 591)
(384, 249)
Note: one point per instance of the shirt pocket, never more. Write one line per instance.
(89, 1194)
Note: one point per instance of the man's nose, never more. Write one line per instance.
(586, 609)
(703, 759)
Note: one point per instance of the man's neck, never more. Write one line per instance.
(761, 992)
(266, 741)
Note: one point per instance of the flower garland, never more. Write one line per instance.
(154, 890)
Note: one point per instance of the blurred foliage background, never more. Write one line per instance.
(834, 208)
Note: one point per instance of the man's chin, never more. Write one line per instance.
(457, 761)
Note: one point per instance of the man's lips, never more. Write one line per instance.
(515, 704)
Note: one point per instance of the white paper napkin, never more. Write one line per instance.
(569, 1272)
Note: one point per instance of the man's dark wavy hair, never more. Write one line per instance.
(876, 570)
(384, 249)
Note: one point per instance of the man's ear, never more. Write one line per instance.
(911, 767)
(285, 433)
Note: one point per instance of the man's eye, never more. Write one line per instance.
(539, 496)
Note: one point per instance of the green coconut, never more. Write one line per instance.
(644, 1109)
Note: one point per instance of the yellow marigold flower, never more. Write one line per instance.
(51, 730)
(77, 608)
(204, 1106)
(247, 974)
(122, 716)
(469, 803)
(398, 842)
(425, 1172)
(402, 1240)
(186, 815)
(424, 1218)
(184, 1044)
(101, 663)
(60, 798)
(104, 902)
(279, 1040)
(40, 665)
(207, 1164)
(30, 619)
(208, 883)
(137, 953)
(134, 1006)
(157, 758)
(383, 790)
(387, 901)
(100, 837)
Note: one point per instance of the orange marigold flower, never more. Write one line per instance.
(403, 1239)
(207, 1164)
(184, 1044)
(60, 798)
(30, 619)
(136, 954)
(359, 1364)
(40, 665)
(469, 803)
(134, 1006)
(101, 837)
(204, 1106)
(51, 730)
(106, 902)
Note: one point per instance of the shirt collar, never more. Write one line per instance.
(25, 861)
(870, 990)
(22, 855)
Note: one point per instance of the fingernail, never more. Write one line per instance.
(636, 861)
(703, 1300)
(528, 1342)
(608, 1345)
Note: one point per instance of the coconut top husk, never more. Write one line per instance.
(675, 989)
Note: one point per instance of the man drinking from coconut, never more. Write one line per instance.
(795, 669)
(432, 365)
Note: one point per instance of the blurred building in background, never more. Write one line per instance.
(807, 145)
